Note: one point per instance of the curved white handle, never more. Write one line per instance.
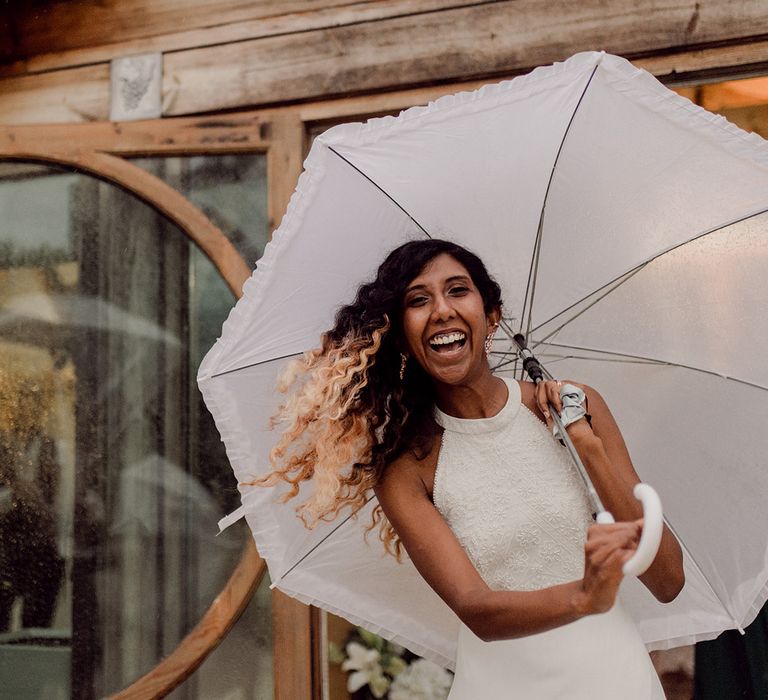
(653, 526)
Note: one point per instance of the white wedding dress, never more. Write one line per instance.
(516, 503)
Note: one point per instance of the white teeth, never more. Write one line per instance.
(447, 338)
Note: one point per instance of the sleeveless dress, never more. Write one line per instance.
(518, 507)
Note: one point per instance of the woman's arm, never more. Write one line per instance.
(492, 615)
(605, 455)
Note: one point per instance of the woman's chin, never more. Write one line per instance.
(454, 374)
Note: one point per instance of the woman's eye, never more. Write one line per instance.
(459, 290)
(417, 301)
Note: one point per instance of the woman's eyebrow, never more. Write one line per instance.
(457, 278)
(448, 280)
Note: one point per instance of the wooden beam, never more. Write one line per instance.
(292, 645)
(711, 63)
(61, 24)
(454, 44)
(222, 134)
(482, 41)
(284, 164)
(7, 40)
(77, 95)
(178, 37)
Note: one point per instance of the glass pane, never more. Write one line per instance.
(112, 474)
(230, 189)
(240, 668)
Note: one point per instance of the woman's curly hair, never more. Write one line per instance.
(348, 413)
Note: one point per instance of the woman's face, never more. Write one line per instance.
(444, 322)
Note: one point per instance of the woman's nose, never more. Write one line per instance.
(442, 309)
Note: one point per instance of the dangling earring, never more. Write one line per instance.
(403, 363)
(489, 339)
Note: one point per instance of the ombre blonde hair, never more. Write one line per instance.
(348, 413)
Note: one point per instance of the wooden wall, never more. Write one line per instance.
(236, 54)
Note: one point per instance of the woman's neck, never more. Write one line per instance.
(481, 398)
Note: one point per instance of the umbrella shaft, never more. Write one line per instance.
(566, 439)
(537, 372)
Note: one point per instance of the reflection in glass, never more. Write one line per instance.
(229, 189)
(112, 475)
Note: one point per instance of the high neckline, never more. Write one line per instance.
(490, 424)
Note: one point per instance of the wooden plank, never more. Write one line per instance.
(710, 63)
(7, 41)
(62, 24)
(284, 165)
(449, 45)
(391, 54)
(77, 95)
(221, 134)
(293, 647)
(178, 39)
(339, 631)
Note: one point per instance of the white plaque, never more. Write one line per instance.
(136, 84)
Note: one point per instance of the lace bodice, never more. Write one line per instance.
(512, 497)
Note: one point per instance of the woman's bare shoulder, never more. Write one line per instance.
(528, 395)
(411, 472)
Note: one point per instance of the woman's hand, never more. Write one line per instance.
(548, 392)
(606, 550)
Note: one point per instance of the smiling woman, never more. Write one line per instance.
(446, 321)
(470, 483)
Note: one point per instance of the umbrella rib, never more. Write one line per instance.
(608, 289)
(654, 360)
(559, 358)
(304, 556)
(646, 262)
(381, 189)
(255, 364)
(534, 267)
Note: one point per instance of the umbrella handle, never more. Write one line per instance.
(653, 527)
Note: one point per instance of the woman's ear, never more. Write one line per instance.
(494, 317)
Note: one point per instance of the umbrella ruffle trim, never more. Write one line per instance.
(416, 647)
(237, 321)
(636, 83)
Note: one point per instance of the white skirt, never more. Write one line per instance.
(599, 657)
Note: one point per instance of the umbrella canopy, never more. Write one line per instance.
(625, 226)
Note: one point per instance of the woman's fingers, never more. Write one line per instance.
(598, 555)
(596, 532)
(548, 392)
(603, 540)
(607, 549)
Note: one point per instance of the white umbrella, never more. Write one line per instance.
(625, 227)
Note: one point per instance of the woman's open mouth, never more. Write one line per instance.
(448, 342)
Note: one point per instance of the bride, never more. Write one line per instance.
(471, 484)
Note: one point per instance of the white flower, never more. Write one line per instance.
(367, 670)
(422, 680)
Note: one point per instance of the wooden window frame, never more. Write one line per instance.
(101, 149)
